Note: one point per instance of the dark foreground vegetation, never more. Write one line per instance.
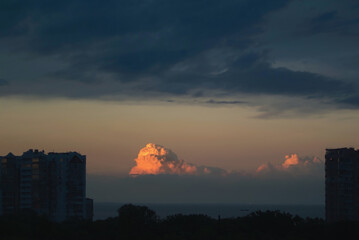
(140, 222)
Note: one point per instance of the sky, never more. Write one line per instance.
(230, 86)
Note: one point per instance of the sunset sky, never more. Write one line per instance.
(231, 84)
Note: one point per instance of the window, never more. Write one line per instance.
(4, 160)
(35, 177)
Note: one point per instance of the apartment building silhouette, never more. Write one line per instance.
(52, 184)
(342, 184)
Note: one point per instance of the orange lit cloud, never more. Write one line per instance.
(292, 162)
(155, 159)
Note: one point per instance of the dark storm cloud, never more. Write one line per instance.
(324, 17)
(3, 82)
(261, 78)
(139, 25)
(351, 101)
(158, 48)
(211, 101)
(332, 22)
(135, 38)
(248, 73)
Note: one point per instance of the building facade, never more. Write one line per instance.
(342, 184)
(52, 184)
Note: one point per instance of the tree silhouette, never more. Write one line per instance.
(140, 222)
(134, 218)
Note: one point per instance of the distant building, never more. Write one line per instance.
(52, 184)
(342, 184)
(89, 209)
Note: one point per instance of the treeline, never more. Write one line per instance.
(140, 222)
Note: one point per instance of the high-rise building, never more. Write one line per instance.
(10, 184)
(342, 184)
(52, 184)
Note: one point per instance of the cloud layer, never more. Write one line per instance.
(155, 159)
(162, 178)
(293, 164)
(206, 52)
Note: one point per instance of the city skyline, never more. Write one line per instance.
(248, 87)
